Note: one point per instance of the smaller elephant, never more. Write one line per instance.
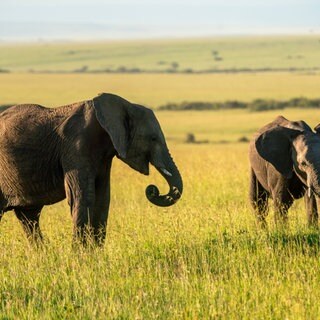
(285, 163)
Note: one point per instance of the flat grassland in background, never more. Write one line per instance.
(154, 90)
(193, 55)
(203, 258)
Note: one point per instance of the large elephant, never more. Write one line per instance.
(47, 155)
(285, 163)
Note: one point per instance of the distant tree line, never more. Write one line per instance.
(256, 105)
(172, 68)
(5, 106)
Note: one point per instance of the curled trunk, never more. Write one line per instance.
(173, 177)
(313, 181)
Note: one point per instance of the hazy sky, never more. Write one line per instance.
(194, 2)
(139, 18)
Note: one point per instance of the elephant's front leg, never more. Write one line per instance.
(101, 206)
(282, 201)
(80, 192)
(312, 204)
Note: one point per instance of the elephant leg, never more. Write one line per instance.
(101, 207)
(1, 205)
(79, 186)
(29, 219)
(311, 208)
(282, 201)
(259, 199)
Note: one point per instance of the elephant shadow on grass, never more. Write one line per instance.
(307, 243)
(300, 242)
(220, 254)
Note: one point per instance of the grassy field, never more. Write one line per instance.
(166, 56)
(203, 258)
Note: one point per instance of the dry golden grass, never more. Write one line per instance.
(156, 89)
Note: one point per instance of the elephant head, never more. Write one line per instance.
(138, 140)
(292, 147)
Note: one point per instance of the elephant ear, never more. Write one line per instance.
(275, 144)
(111, 113)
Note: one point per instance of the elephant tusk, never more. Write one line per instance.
(166, 172)
(309, 192)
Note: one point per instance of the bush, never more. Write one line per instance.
(190, 138)
(243, 139)
(197, 105)
(304, 103)
(5, 106)
(82, 69)
(263, 105)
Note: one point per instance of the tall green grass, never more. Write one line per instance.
(202, 258)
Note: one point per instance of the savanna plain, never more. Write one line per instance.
(203, 258)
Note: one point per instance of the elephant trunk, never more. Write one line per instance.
(313, 181)
(173, 177)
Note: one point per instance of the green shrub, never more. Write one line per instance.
(5, 106)
(256, 105)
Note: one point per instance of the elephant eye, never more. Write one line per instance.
(153, 138)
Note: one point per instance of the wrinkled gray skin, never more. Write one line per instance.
(285, 165)
(47, 155)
